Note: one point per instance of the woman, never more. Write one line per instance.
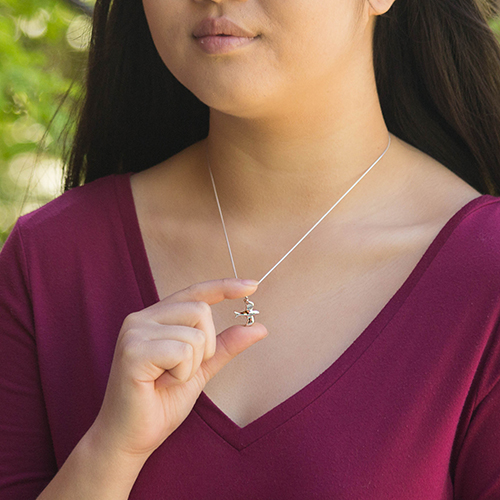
(371, 370)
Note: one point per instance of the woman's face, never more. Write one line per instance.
(303, 48)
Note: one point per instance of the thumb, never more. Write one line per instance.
(231, 342)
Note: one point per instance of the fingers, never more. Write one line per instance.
(191, 307)
(177, 334)
(211, 292)
(198, 340)
(150, 359)
(184, 317)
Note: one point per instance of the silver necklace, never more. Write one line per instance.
(249, 312)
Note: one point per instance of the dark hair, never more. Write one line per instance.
(437, 68)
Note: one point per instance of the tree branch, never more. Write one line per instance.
(87, 9)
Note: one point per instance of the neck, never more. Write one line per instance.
(289, 178)
(295, 165)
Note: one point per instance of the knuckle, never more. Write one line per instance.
(187, 350)
(132, 334)
(130, 350)
(202, 308)
(130, 321)
(199, 337)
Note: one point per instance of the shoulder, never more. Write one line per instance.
(52, 246)
(73, 232)
(76, 205)
(75, 215)
(79, 234)
(438, 201)
(470, 240)
(465, 257)
(477, 224)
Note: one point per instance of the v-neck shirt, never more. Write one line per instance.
(410, 410)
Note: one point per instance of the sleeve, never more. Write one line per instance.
(27, 462)
(477, 473)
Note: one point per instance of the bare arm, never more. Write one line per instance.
(94, 470)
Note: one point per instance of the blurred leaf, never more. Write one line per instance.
(36, 70)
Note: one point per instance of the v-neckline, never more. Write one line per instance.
(205, 408)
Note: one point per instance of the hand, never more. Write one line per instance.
(164, 357)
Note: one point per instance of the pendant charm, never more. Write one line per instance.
(249, 313)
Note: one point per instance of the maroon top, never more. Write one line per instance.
(411, 410)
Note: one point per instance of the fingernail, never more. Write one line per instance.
(249, 282)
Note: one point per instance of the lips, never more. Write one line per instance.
(223, 44)
(212, 26)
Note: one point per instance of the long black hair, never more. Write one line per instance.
(437, 68)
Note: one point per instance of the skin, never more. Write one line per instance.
(295, 119)
(296, 114)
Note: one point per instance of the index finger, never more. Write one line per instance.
(213, 291)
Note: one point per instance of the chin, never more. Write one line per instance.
(233, 101)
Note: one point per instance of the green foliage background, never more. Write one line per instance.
(42, 55)
(42, 51)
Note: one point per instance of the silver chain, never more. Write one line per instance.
(308, 232)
